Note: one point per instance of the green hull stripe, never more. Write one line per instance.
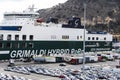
(35, 47)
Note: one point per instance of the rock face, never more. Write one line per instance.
(101, 14)
(95, 8)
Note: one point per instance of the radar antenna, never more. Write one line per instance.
(31, 8)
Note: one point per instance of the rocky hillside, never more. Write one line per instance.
(98, 12)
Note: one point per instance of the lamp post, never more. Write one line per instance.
(84, 37)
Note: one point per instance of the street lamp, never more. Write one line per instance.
(84, 37)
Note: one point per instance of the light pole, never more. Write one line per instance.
(84, 37)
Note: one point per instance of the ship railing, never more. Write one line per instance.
(99, 32)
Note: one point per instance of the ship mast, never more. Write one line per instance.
(31, 8)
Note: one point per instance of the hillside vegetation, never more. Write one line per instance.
(102, 15)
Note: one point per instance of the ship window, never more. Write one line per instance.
(93, 38)
(65, 37)
(31, 37)
(16, 45)
(96, 38)
(24, 37)
(80, 37)
(77, 37)
(88, 38)
(30, 45)
(16, 37)
(1, 45)
(53, 36)
(24, 45)
(104, 38)
(9, 45)
(1, 36)
(9, 37)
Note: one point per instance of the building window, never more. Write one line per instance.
(9, 45)
(93, 38)
(31, 37)
(9, 37)
(24, 37)
(16, 37)
(65, 37)
(1, 36)
(88, 38)
(30, 45)
(1, 45)
(79, 37)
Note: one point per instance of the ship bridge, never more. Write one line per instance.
(20, 18)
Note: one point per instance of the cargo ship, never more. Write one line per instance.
(24, 34)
